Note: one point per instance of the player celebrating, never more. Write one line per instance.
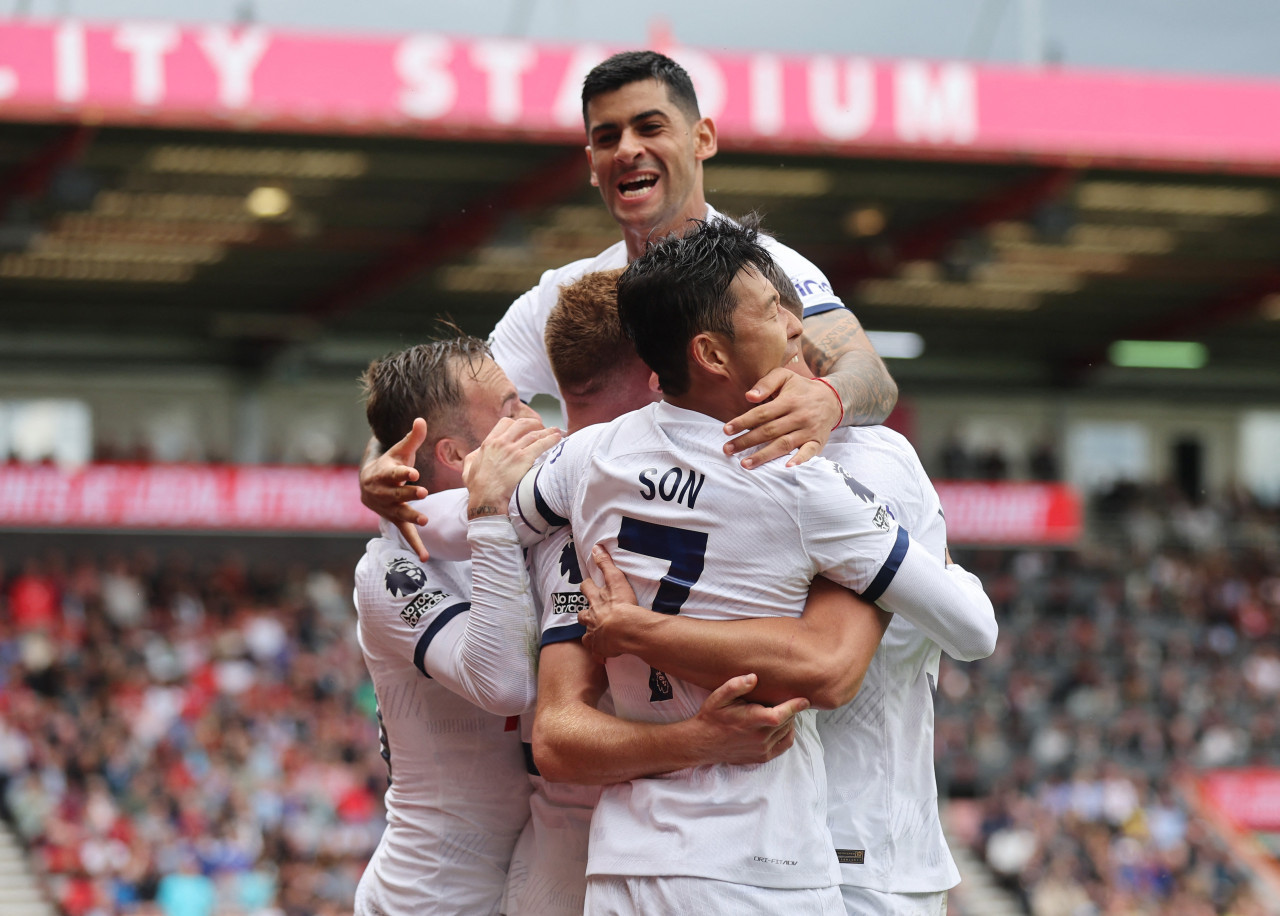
(458, 797)
(705, 538)
(878, 747)
(647, 142)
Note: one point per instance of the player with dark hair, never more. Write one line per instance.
(877, 744)
(646, 143)
(698, 535)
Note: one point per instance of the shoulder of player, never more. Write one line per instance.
(848, 439)
(791, 261)
(554, 559)
(552, 280)
(388, 576)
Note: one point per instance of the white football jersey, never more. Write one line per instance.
(548, 875)
(882, 797)
(458, 795)
(518, 339)
(697, 534)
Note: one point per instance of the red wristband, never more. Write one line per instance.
(839, 401)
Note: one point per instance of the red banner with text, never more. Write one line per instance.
(278, 498)
(1011, 513)
(184, 497)
(427, 83)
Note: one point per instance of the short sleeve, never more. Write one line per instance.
(852, 539)
(402, 608)
(816, 294)
(557, 583)
(543, 500)
(517, 340)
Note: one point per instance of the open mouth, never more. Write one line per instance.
(631, 188)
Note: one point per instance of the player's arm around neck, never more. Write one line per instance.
(822, 655)
(797, 412)
(573, 741)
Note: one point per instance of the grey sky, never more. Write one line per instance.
(1236, 37)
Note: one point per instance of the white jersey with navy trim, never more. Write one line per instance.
(697, 534)
(458, 796)
(518, 339)
(881, 791)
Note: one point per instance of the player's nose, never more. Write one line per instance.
(794, 327)
(629, 146)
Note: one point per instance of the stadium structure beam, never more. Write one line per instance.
(1187, 323)
(446, 238)
(31, 179)
(928, 241)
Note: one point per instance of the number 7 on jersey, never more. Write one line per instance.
(686, 551)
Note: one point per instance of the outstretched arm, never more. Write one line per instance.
(796, 412)
(573, 741)
(821, 655)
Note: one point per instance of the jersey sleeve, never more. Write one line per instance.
(947, 604)
(543, 500)
(816, 294)
(403, 608)
(557, 583)
(488, 654)
(445, 533)
(517, 341)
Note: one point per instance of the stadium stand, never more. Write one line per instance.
(180, 736)
(1123, 668)
(181, 728)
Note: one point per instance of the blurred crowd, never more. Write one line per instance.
(187, 737)
(1122, 668)
(191, 735)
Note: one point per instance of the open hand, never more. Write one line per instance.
(387, 486)
(793, 413)
(613, 611)
(744, 732)
(493, 470)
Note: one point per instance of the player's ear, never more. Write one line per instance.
(451, 453)
(705, 144)
(591, 164)
(708, 352)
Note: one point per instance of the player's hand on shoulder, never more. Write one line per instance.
(493, 470)
(793, 413)
(387, 485)
(612, 613)
(742, 732)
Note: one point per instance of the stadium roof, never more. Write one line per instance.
(142, 237)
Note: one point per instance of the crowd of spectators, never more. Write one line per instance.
(187, 737)
(1122, 669)
(181, 736)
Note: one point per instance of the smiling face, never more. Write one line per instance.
(646, 157)
(765, 335)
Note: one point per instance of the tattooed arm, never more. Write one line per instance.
(836, 348)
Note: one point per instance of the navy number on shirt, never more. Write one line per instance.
(686, 551)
